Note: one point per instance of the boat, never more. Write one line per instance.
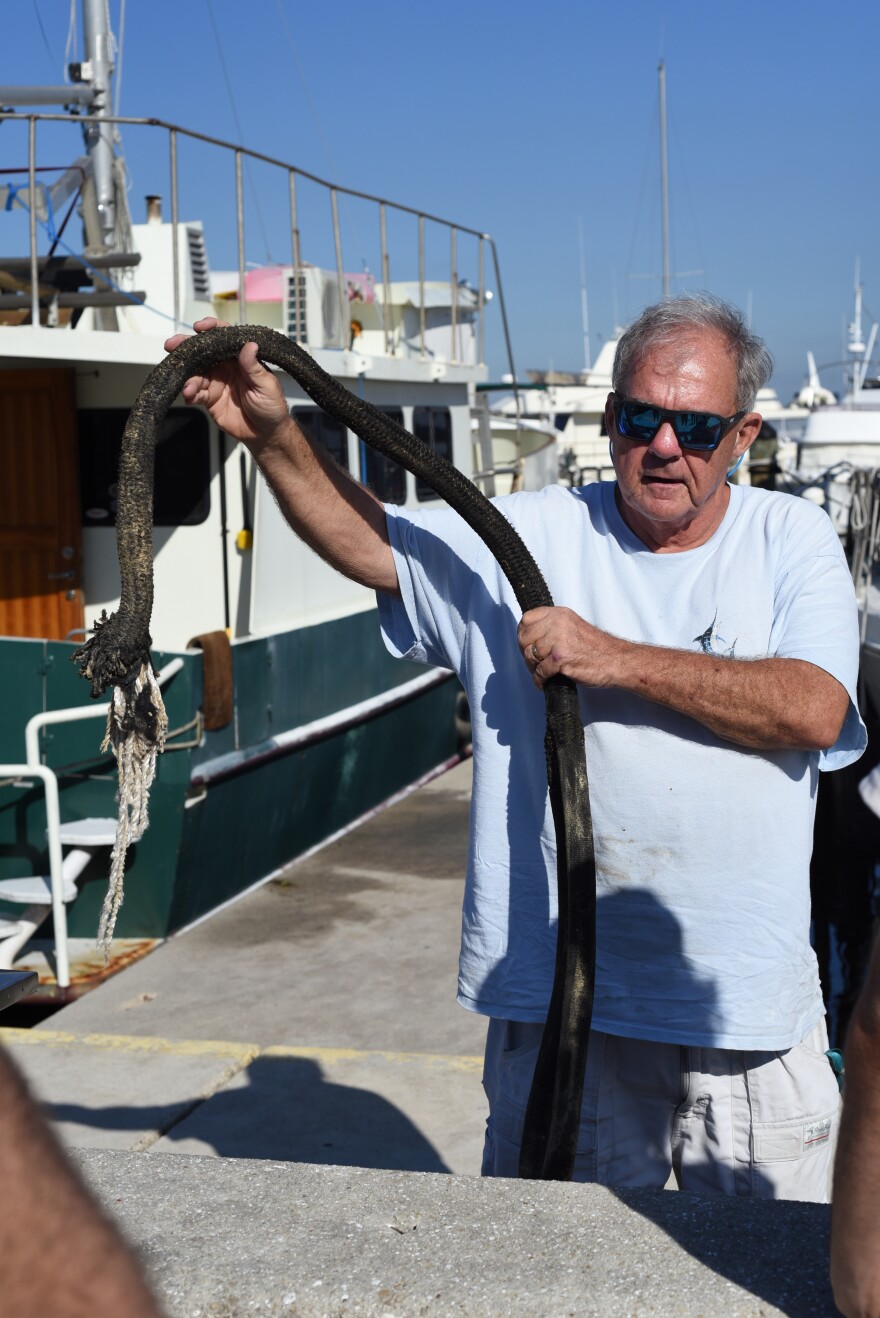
(288, 720)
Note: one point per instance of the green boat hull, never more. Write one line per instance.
(213, 834)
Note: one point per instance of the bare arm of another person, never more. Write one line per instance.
(765, 704)
(855, 1210)
(59, 1255)
(337, 517)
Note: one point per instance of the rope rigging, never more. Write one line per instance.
(117, 655)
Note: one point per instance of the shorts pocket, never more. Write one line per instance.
(517, 1065)
(787, 1141)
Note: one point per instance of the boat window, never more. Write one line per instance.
(561, 420)
(182, 472)
(319, 426)
(385, 477)
(433, 425)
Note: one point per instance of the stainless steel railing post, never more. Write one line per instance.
(453, 281)
(481, 303)
(422, 352)
(294, 235)
(387, 321)
(239, 221)
(344, 322)
(32, 220)
(175, 241)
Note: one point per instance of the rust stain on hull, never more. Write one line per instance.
(88, 968)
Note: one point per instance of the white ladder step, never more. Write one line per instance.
(89, 833)
(34, 890)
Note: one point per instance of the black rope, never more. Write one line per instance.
(121, 644)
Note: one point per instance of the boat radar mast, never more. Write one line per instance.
(88, 91)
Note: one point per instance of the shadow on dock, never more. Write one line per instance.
(282, 1109)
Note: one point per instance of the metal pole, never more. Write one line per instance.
(453, 323)
(97, 46)
(32, 220)
(481, 312)
(664, 188)
(422, 286)
(506, 327)
(294, 234)
(344, 324)
(175, 245)
(239, 219)
(585, 315)
(386, 283)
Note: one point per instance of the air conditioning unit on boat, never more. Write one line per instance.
(317, 319)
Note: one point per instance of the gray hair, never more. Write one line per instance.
(683, 314)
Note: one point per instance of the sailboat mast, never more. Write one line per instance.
(585, 315)
(664, 182)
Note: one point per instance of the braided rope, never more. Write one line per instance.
(119, 649)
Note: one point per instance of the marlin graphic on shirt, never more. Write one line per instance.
(709, 641)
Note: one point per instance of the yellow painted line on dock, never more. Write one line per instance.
(243, 1053)
(447, 1061)
(131, 1043)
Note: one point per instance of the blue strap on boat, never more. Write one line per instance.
(835, 1059)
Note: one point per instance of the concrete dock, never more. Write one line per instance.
(282, 1106)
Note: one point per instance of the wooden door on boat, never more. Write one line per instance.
(40, 556)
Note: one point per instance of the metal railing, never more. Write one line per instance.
(294, 174)
(33, 769)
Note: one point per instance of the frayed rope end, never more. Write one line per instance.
(136, 729)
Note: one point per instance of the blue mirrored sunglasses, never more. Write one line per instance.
(700, 431)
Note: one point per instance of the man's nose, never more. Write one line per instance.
(665, 443)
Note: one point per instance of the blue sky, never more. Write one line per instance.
(524, 120)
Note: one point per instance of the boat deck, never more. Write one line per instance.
(304, 1044)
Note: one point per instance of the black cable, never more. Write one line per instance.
(119, 645)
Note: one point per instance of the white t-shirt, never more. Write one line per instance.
(702, 847)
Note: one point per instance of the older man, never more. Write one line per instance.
(712, 632)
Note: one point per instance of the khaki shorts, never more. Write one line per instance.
(762, 1124)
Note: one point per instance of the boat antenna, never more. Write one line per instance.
(664, 181)
(856, 345)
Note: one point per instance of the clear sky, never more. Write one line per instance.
(527, 120)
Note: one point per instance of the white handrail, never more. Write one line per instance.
(53, 829)
(76, 712)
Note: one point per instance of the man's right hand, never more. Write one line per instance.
(244, 399)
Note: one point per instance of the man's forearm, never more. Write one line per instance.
(58, 1254)
(335, 515)
(764, 704)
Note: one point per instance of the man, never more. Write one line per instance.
(712, 632)
(855, 1217)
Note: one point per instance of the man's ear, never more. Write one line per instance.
(610, 427)
(748, 431)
